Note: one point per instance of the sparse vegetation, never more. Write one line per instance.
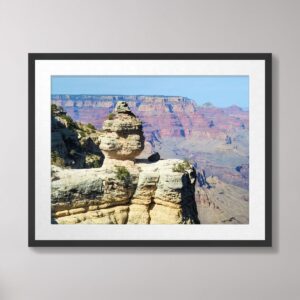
(82, 134)
(111, 116)
(95, 164)
(182, 166)
(91, 126)
(73, 152)
(59, 112)
(56, 159)
(53, 108)
(92, 160)
(123, 174)
(70, 123)
(56, 110)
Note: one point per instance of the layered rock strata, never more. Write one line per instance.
(164, 116)
(157, 195)
(123, 136)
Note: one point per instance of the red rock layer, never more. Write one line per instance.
(162, 116)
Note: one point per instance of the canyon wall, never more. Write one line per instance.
(214, 139)
(167, 116)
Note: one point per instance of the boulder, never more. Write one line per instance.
(122, 107)
(122, 136)
(154, 157)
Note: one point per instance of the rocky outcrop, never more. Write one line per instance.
(168, 196)
(124, 190)
(154, 157)
(122, 136)
(89, 196)
(73, 144)
(154, 195)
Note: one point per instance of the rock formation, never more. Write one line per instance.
(123, 137)
(73, 144)
(124, 190)
(154, 157)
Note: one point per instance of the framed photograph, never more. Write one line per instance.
(150, 149)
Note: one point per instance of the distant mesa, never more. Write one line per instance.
(207, 104)
(162, 116)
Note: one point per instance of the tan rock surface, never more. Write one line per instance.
(157, 195)
(123, 136)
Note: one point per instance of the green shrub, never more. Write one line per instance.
(182, 166)
(95, 164)
(73, 152)
(123, 174)
(53, 108)
(56, 159)
(111, 116)
(91, 126)
(82, 133)
(70, 123)
(57, 110)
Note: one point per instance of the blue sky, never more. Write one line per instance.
(222, 91)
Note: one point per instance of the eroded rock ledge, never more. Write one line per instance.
(156, 195)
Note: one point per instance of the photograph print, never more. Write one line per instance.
(148, 156)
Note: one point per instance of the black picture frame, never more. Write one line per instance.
(266, 57)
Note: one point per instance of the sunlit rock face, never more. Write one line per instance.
(122, 136)
(155, 195)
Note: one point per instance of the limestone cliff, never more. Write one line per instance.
(125, 190)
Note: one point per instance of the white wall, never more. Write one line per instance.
(148, 26)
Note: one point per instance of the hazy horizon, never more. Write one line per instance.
(221, 91)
